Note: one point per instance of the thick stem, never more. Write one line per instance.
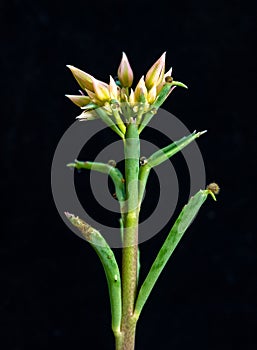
(118, 340)
(129, 252)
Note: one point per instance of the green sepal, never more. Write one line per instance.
(90, 106)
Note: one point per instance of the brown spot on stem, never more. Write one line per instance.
(213, 187)
(169, 79)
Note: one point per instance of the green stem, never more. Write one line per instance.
(118, 340)
(130, 251)
(108, 121)
(118, 119)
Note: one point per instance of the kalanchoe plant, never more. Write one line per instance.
(127, 111)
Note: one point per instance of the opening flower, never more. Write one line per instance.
(149, 94)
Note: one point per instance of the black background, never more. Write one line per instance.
(54, 295)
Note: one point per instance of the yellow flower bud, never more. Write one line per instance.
(87, 115)
(84, 79)
(113, 89)
(141, 90)
(125, 73)
(79, 100)
(101, 90)
(132, 100)
(152, 93)
(155, 74)
(93, 97)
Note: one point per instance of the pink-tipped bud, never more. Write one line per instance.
(125, 73)
(168, 73)
(84, 79)
(152, 93)
(123, 95)
(141, 90)
(156, 73)
(93, 97)
(113, 89)
(101, 90)
(87, 115)
(79, 100)
(132, 100)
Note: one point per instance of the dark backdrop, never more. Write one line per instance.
(54, 295)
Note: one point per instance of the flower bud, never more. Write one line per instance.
(168, 73)
(101, 90)
(155, 74)
(141, 90)
(87, 115)
(125, 73)
(113, 89)
(123, 95)
(93, 97)
(84, 79)
(152, 93)
(79, 100)
(132, 97)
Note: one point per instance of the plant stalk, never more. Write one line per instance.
(130, 242)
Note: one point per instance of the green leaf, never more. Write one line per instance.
(163, 154)
(160, 156)
(185, 218)
(104, 168)
(112, 272)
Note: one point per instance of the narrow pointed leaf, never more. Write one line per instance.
(185, 218)
(162, 96)
(160, 156)
(163, 154)
(164, 93)
(106, 255)
(115, 174)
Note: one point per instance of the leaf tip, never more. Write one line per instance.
(68, 215)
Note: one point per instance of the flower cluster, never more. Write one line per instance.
(118, 100)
